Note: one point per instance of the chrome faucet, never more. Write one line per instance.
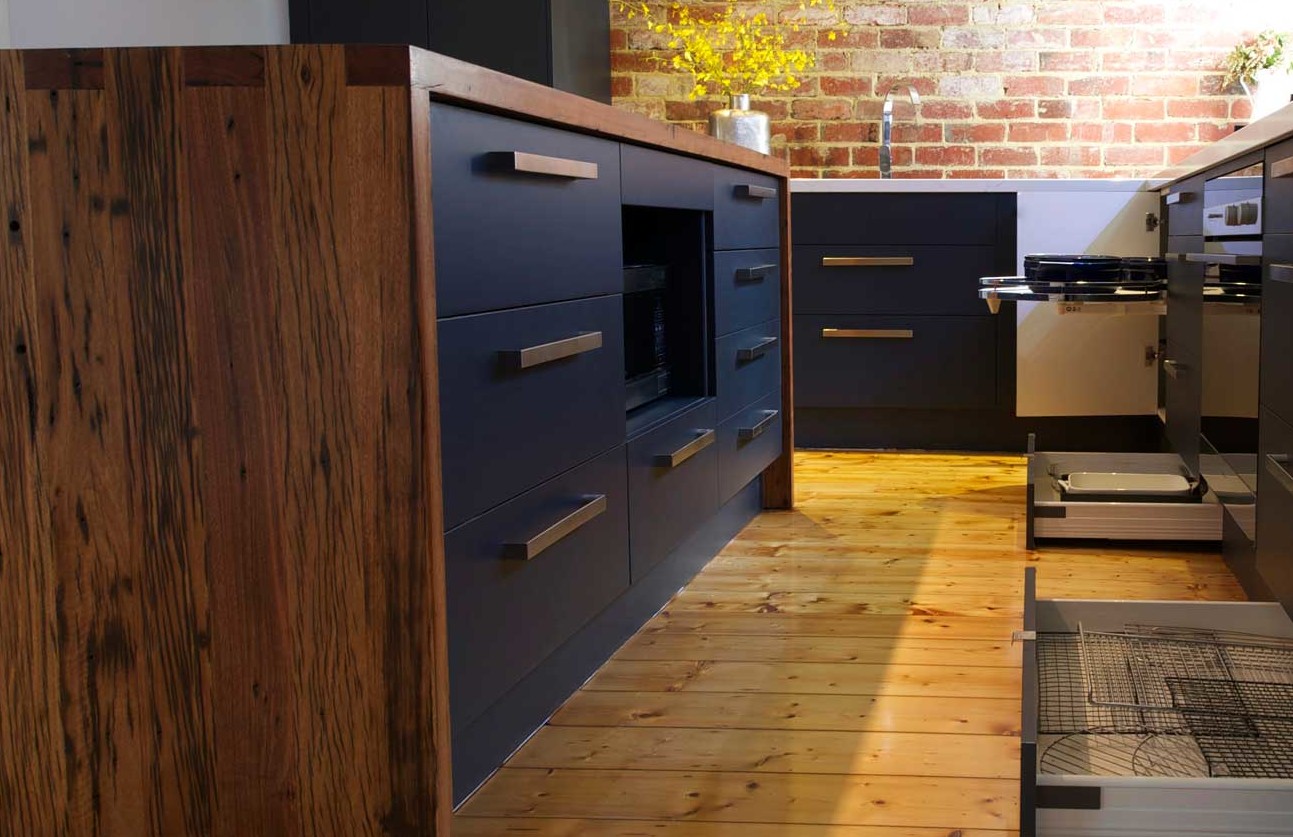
(886, 127)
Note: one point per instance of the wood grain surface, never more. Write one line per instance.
(220, 530)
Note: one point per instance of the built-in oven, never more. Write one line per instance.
(646, 351)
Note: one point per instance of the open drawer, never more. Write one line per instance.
(1117, 741)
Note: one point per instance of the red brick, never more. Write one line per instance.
(938, 14)
(1083, 61)
(621, 87)
(1056, 109)
(1007, 109)
(893, 14)
(975, 133)
(1135, 60)
(1070, 155)
(945, 155)
(821, 109)
(1008, 156)
(1147, 109)
(1133, 13)
(852, 39)
(1241, 109)
(925, 85)
(973, 37)
(849, 132)
(690, 111)
(797, 132)
(1214, 84)
(853, 174)
(925, 38)
(1212, 131)
(1101, 132)
(1005, 61)
(1177, 153)
(818, 155)
(976, 173)
(1133, 155)
(846, 86)
(919, 174)
(1070, 12)
(906, 132)
(1038, 131)
(833, 62)
(619, 39)
(1104, 36)
(1171, 86)
(1038, 38)
(942, 109)
(1034, 85)
(1163, 132)
(1100, 86)
(867, 155)
(635, 61)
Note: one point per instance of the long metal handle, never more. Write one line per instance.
(745, 434)
(1277, 465)
(755, 274)
(870, 333)
(556, 350)
(1282, 273)
(687, 451)
(1282, 168)
(756, 351)
(867, 261)
(529, 550)
(1174, 368)
(1178, 197)
(527, 163)
(1222, 258)
(756, 193)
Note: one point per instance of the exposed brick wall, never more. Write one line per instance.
(1048, 88)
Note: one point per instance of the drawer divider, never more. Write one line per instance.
(593, 507)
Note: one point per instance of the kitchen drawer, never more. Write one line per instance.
(747, 288)
(506, 612)
(673, 485)
(658, 178)
(1183, 405)
(1275, 507)
(852, 361)
(747, 210)
(1277, 327)
(900, 219)
(747, 443)
(517, 232)
(1184, 320)
(1184, 208)
(511, 421)
(1279, 189)
(922, 279)
(749, 366)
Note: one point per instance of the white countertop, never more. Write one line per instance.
(843, 184)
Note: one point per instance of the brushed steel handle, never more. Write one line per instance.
(1222, 258)
(527, 163)
(556, 350)
(745, 434)
(1178, 197)
(593, 506)
(1174, 368)
(870, 333)
(755, 274)
(755, 193)
(1277, 465)
(1282, 168)
(867, 261)
(687, 451)
(756, 351)
(1282, 273)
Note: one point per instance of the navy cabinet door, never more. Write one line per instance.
(747, 210)
(1277, 327)
(747, 289)
(1275, 507)
(914, 279)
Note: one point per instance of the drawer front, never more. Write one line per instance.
(658, 178)
(747, 443)
(936, 362)
(511, 231)
(891, 280)
(1279, 188)
(1275, 507)
(507, 613)
(749, 366)
(1277, 327)
(513, 418)
(1183, 404)
(898, 219)
(1184, 308)
(673, 485)
(746, 216)
(747, 288)
(1184, 208)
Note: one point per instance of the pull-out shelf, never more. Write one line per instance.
(1071, 785)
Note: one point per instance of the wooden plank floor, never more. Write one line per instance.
(841, 669)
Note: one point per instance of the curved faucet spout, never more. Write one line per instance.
(886, 126)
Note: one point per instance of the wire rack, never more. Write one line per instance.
(1153, 701)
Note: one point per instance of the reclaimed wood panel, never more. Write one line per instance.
(823, 649)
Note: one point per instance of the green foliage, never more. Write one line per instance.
(1268, 51)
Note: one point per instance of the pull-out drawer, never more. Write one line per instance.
(1279, 188)
(748, 442)
(1275, 506)
(673, 484)
(749, 366)
(525, 213)
(747, 210)
(901, 218)
(523, 578)
(1277, 331)
(929, 279)
(526, 394)
(747, 289)
(658, 178)
(852, 361)
(1090, 768)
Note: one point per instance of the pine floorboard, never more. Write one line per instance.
(841, 669)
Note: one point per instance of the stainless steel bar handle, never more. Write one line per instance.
(1222, 258)
(755, 193)
(870, 333)
(527, 163)
(756, 351)
(745, 434)
(556, 350)
(687, 451)
(1282, 168)
(1277, 465)
(1174, 368)
(1282, 273)
(593, 506)
(755, 274)
(867, 261)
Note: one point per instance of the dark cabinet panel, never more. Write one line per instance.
(925, 279)
(349, 22)
(506, 614)
(900, 219)
(848, 360)
(747, 288)
(1183, 404)
(1279, 188)
(673, 485)
(661, 179)
(1277, 327)
(747, 443)
(1184, 208)
(512, 420)
(514, 232)
(1184, 320)
(1275, 507)
(747, 210)
(748, 366)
